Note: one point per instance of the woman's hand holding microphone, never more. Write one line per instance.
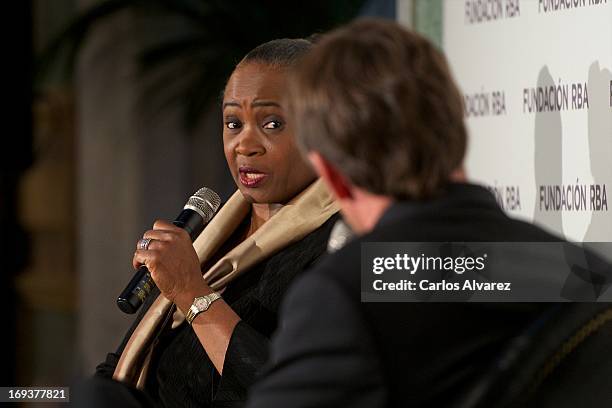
(168, 253)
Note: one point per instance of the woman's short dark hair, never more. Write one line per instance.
(282, 52)
(279, 53)
(378, 101)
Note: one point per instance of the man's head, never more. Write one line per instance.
(379, 115)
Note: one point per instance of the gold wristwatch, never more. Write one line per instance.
(200, 304)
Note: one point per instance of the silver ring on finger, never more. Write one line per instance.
(144, 243)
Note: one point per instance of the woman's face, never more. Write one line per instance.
(258, 140)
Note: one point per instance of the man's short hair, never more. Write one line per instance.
(379, 102)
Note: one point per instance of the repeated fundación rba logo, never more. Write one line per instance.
(483, 11)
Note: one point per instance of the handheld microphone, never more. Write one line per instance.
(198, 211)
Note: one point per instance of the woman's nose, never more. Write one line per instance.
(249, 143)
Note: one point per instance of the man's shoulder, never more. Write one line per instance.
(338, 271)
(342, 269)
(325, 301)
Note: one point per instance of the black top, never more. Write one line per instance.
(182, 375)
(335, 350)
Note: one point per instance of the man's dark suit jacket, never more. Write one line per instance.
(334, 351)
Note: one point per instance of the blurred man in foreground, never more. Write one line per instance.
(381, 120)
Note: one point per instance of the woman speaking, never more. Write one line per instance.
(201, 341)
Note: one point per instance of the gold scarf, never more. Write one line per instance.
(302, 215)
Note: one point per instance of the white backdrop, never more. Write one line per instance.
(536, 78)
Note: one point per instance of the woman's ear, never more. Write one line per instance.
(336, 182)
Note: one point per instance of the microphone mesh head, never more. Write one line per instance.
(205, 202)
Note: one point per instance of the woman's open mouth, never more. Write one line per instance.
(250, 177)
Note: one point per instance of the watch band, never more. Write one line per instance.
(200, 304)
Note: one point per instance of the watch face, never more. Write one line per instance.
(202, 303)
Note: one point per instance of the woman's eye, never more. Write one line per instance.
(232, 124)
(273, 124)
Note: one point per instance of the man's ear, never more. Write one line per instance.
(336, 182)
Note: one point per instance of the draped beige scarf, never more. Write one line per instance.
(302, 215)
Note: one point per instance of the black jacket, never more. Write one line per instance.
(182, 375)
(333, 350)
